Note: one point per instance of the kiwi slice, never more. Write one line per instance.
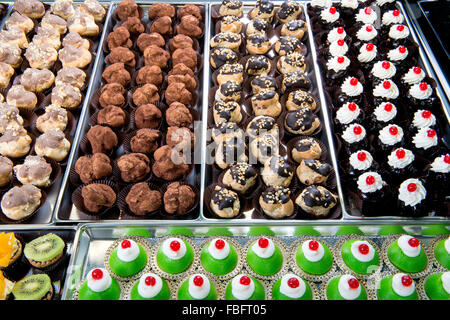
(44, 248)
(34, 287)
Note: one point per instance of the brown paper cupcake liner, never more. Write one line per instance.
(432, 248)
(144, 244)
(296, 268)
(314, 289)
(291, 144)
(334, 213)
(363, 283)
(125, 209)
(123, 289)
(6, 220)
(170, 284)
(191, 269)
(259, 213)
(213, 282)
(191, 211)
(207, 202)
(77, 198)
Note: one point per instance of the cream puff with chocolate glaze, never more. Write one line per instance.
(94, 8)
(276, 202)
(257, 26)
(83, 23)
(225, 202)
(229, 91)
(289, 11)
(37, 80)
(317, 201)
(266, 103)
(306, 148)
(10, 54)
(17, 20)
(263, 82)
(225, 131)
(288, 44)
(75, 40)
(230, 151)
(63, 8)
(6, 73)
(260, 125)
(34, 170)
(294, 28)
(231, 8)
(295, 80)
(33, 9)
(240, 177)
(263, 9)
(299, 99)
(19, 97)
(71, 56)
(220, 56)
(41, 56)
(47, 36)
(21, 202)
(301, 122)
(230, 24)
(66, 96)
(258, 43)
(227, 112)
(312, 171)
(6, 169)
(53, 21)
(277, 172)
(264, 147)
(52, 144)
(55, 117)
(292, 62)
(15, 143)
(10, 118)
(14, 36)
(230, 72)
(257, 65)
(228, 40)
(70, 75)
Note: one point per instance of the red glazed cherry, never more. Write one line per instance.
(388, 107)
(357, 130)
(198, 281)
(293, 283)
(351, 106)
(126, 244)
(175, 245)
(313, 245)
(353, 283)
(423, 86)
(400, 153)
(363, 248)
(431, 133)
(332, 10)
(220, 244)
(426, 114)
(353, 81)
(412, 187)
(367, 11)
(245, 281)
(362, 156)
(447, 159)
(396, 13)
(402, 49)
(340, 59)
(370, 180)
(340, 30)
(369, 47)
(400, 28)
(407, 281)
(150, 281)
(386, 65)
(369, 28)
(393, 130)
(263, 243)
(386, 85)
(340, 42)
(97, 274)
(417, 70)
(413, 242)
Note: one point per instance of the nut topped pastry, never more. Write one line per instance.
(277, 172)
(75, 40)
(264, 146)
(41, 56)
(228, 40)
(6, 169)
(70, 75)
(257, 65)
(52, 144)
(220, 56)
(34, 170)
(94, 167)
(276, 202)
(6, 73)
(302, 121)
(231, 8)
(10, 54)
(63, 8)
(266, 103)
(295, 28)
(257, 26)
(288, 44)
(230, 151)
(14, 36)
(289, 10)
(37, 80)
(15, 143)
(306, 148)
(229, 111)
(231, 24)
(20, 21)
(47, 36)
(55, 117)
(19, 97)
(53, 21)
(299, 99)
(258, 43)
(262, 124)
(295, 80)
(71, 56)
(264, 9)
(224, 202)
(240, 177)
(291, 63)
(227, 72)
(226, 130)
(317, 201)
(229, 91)
(66, 96)
(83, 23)
(10, 118)
(21, 202)
(94, 8)
(312, 171)
(33, 9)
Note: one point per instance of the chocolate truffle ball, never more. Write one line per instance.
(94, 167)
(146, 39)
(120, 37)
(102, 139)
(164, 166)
(178, 198)
(111, 116)
(133, 25)
(121, 54)
(116, 73)
(190, 9)
(142, 200)
(181, 138)
(157, 56)
(112, 94)
(145, 140)
(133, 166)
(97, 195)
(190, 26)
(181, 69)
(177, 92)
(149, 74)
(188, 81)
(147, 116)
(180, 41)
(178, 115)
(127, 8)
(160, 10)
(186, 56)
(146, 94)
(162, 25)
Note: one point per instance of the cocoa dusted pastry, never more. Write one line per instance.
(55, 117)
(177, 92)
(230, 151)
(15, 143)
(231, 72)
(178, 115)
(146, 39)
(116, 73)
(63, 8)
(190, 9)
(230, 24)
(257, 65)
(19, 97)
(295, 80)
(164, 166)
(6, 169)
(94, 8)
(159, 9)
(178, 198)
(299, 99)
(21, 202)
(257, 26)
(190, 26)
(149, 74)
(225, 203)
(266, 103)
(124, 55)
(102, 139)
(288, 44)
(127, 8)
(181, 69)
(294, 28)
(306, 148)
(180, 138)
(188, 81)
(258, 43)
(66, 96)
(6, 73)
(71, 56)
(225, 131)
(180, 41)
(264, 9)
(301, 122)
(53, 21)
(231, 8)
(145, 141)
(289, 10)
(96, 196)
(157, 56)
(41, 56)
(148, 93)
(147, 116)
(142, 200)
(34, 170)
(10, 54)
(52, 144)
(187, 56)
(292, 62)
(263, 82)
(133, 167)
(70, 75)
(277, 172)
(276, 202)
(74, 39)
(162, 25)
(240, 177)
(37, 80)
(94, 167)
(33, 9)
(17, 20)
(227, 112)
(111, 116)
(134, 25)
(312, 171)
(120, 37)
(221, 56)
(83, 23)
(317, 201)
(228, 40)
(10, 118)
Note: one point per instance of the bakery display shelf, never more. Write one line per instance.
(350, 212)
(65, 211)
(93, 240)
(27, 233)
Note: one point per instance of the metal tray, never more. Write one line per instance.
(65, 211)
(92, 240)
(67, 233)
(345, 200)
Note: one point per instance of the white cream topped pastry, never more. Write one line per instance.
(348, 113)
(199, 286)
(409, 245)
(412, 192)
(441, 164)
(174, 248)
(292, 286)
(335, 34)
(329, 15)
(386, 89)
(366, 15)
(425, 138)
(353, 4)
(313, 250)
(392, 17)
(420, 91)
(423, 118)
(445, 278)
(362, 250)
(219, 249)
(366, 33)
(149, 285)
(321, 3)
(263, 248)
(338, 48)
(369, 182)
(361, 160)
(352, 87)
(338, 63)
(400, 158)
(349, 287)
(413, 76)
(385, 112)
(98, 280)
(390, 135)
(398, 31)
(242, 287)
(384, 70)
(398, 54)
(403, 284)
(447, 245)
(354, 133)
(128, 250)
(367, 53)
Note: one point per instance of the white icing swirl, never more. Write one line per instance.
(349, 135)
(174, 255)
(333, 63)
(353, 4)
(391, 93)
(386, 137)
(420, 122)
(219, 254)
(380, 72)
(312, 255)
(264, 252)
(128, 254)
(345, 116)
(329, 17)
(381, 114)
(445, 278)
(149, 291)
(412, 198)
(199, 292)
(416, 92)
(344, 288)
(399, 163)
(293, 293)
(337, 50)
(412, 77)
(351, 90)
(99, 285)
(358, 164)
(366, 33)
(389, 18)
(369, 188)
(422, 141)
(439, 165)
(397, 55)
(365, 18)
(403, 243)
(447, 245)
(398, 286)
(365, 55)
(240, 291)
(321, 3)
(334, 35)
(358, 255)
(396, 34)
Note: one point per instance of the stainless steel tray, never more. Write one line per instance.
(92, 240)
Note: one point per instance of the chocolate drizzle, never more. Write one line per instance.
(224, 109)
(305, 144)
(232, 150)
(280, 166)
(226, 37)
(301, 119)
(294, 25)
(229, 88)
(234, 68)
(260, 25)
(287, 9)
(289, 44)
(224, 198)
(264, 6)
(266, 94)
(296, 80)
(324, 169)
(276, 194)
(302, 99)
(264, 82)
(263, 123)
(221, 56)
(257, 63)
(257, 39)
(241, 172)
(315, 197)
(232, 4)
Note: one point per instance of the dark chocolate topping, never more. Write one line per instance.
(296, 80)
(233, 149)
(280, 166)
(289, 44)
(302, 98)
(224, 197)
(313, 197)
(232, 4)
(264, 6)
(276, 194)
(304, 144)
(229, 88)
(257, 39)
(321, 168)
(241, 172)
(224, 109)
(264, 82)
(263, 123)
(229, 19)
(266, 94)
(301, 119)
(260, 24)
(295, 25)
(257, 63)
(227, 36)
(221, 56)
(234, 68)
(288, 8)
